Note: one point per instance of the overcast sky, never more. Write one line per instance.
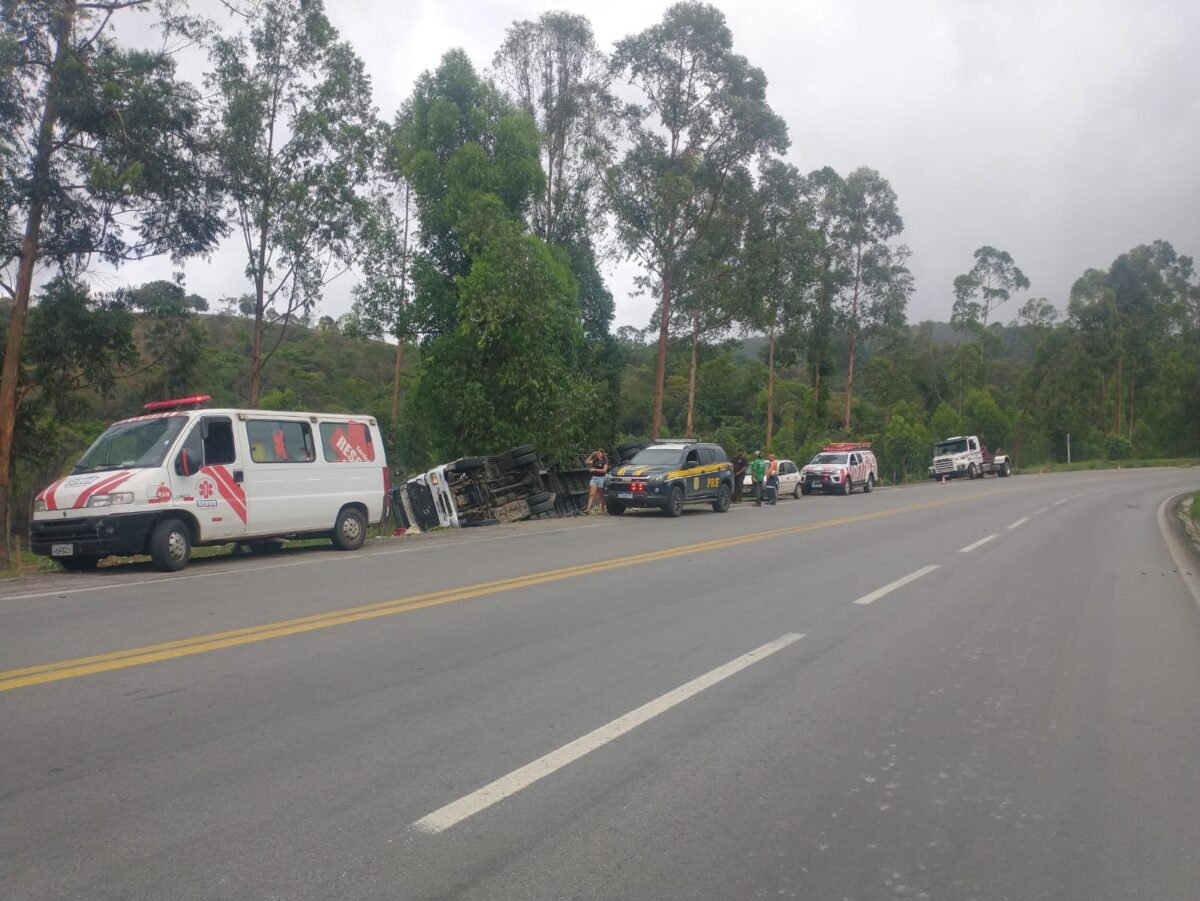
(1062, 132)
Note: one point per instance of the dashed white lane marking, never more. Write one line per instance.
(456, 812)
(899, 583)
(1018, 523)
(1063, 501)
(1041, 511)
(979, 543)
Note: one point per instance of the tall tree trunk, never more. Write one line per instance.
(403, 304)
(853, 337)
(821, 301)
(256, 343)
(850, 379)
(11, 372)
(691, 416)
(770, 384)
(660, 368)
(1120, 394)
(1131, 378)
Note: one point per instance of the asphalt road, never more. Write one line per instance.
(979, 690)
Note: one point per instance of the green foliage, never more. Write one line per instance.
(905, 447)
(509, 374)
(945, 422)
(295, 134)
(984, 417)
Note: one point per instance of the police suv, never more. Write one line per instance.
(668, 474)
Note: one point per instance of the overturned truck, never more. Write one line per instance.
(479, 491)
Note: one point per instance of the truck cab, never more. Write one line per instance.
(966, 456)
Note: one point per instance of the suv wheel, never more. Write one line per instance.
(614, 508)
(721, 504)
(675, 502)
(869, 484)
(848, 486)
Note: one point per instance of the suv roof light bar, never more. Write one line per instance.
(675, 441)
(843, 446)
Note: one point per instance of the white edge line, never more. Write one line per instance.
(1179, 553)
(1041, 511)
(1019, 522)
(899, 583)
(250, 568)
(1063, 501)
(979, 543)
(452, 814)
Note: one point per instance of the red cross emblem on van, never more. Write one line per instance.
(205, 489)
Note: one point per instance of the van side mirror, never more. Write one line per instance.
(183, 463)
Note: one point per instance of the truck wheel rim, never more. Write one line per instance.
(176, 545)
(350, 529)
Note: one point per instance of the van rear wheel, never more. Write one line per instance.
(350, 530)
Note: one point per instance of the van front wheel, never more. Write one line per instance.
(350, 530)
(171, 545)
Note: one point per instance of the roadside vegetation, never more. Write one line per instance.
(476, 217)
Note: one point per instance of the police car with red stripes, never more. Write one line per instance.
(182, 475)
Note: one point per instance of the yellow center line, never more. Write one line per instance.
(139, 656)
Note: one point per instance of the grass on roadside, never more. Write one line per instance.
(1194, 509)
(30, 564)
(1089, 465)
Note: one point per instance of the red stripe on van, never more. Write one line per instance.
(101, 487)
(231, 492)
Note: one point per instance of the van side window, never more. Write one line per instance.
(280, 441)
(347, 442)
(218, 443)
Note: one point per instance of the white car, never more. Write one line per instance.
(789, 480)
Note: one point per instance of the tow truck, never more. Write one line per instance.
(967, 456)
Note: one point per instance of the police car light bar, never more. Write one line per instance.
(843, 446)
(180, 403)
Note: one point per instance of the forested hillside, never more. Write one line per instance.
(475, 219)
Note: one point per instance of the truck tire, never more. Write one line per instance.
(674, 505)
(1005, 469)
(523, 450)
(869, 484)
(349, 530)
(614, 508)
(972, 472)
(170, 545)
(524, 459)
(540, 503)
(467, 464)
(721, 504)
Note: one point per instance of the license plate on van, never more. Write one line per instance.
(62, 550)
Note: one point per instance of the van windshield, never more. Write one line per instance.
(133, 444)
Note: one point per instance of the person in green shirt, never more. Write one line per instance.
(758, 472)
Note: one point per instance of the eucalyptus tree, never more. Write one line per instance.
(100, 158)
(701, 118)
(823, 191)
(876, 282)
(295, 132)
(553, 69)
(782, 264)
(990, 283)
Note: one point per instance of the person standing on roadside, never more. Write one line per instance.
(597, 463)
(758, 472)
(772, 479)
(740, 465)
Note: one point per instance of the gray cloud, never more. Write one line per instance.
(1063, 132)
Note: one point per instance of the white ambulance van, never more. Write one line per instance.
(183, 476)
